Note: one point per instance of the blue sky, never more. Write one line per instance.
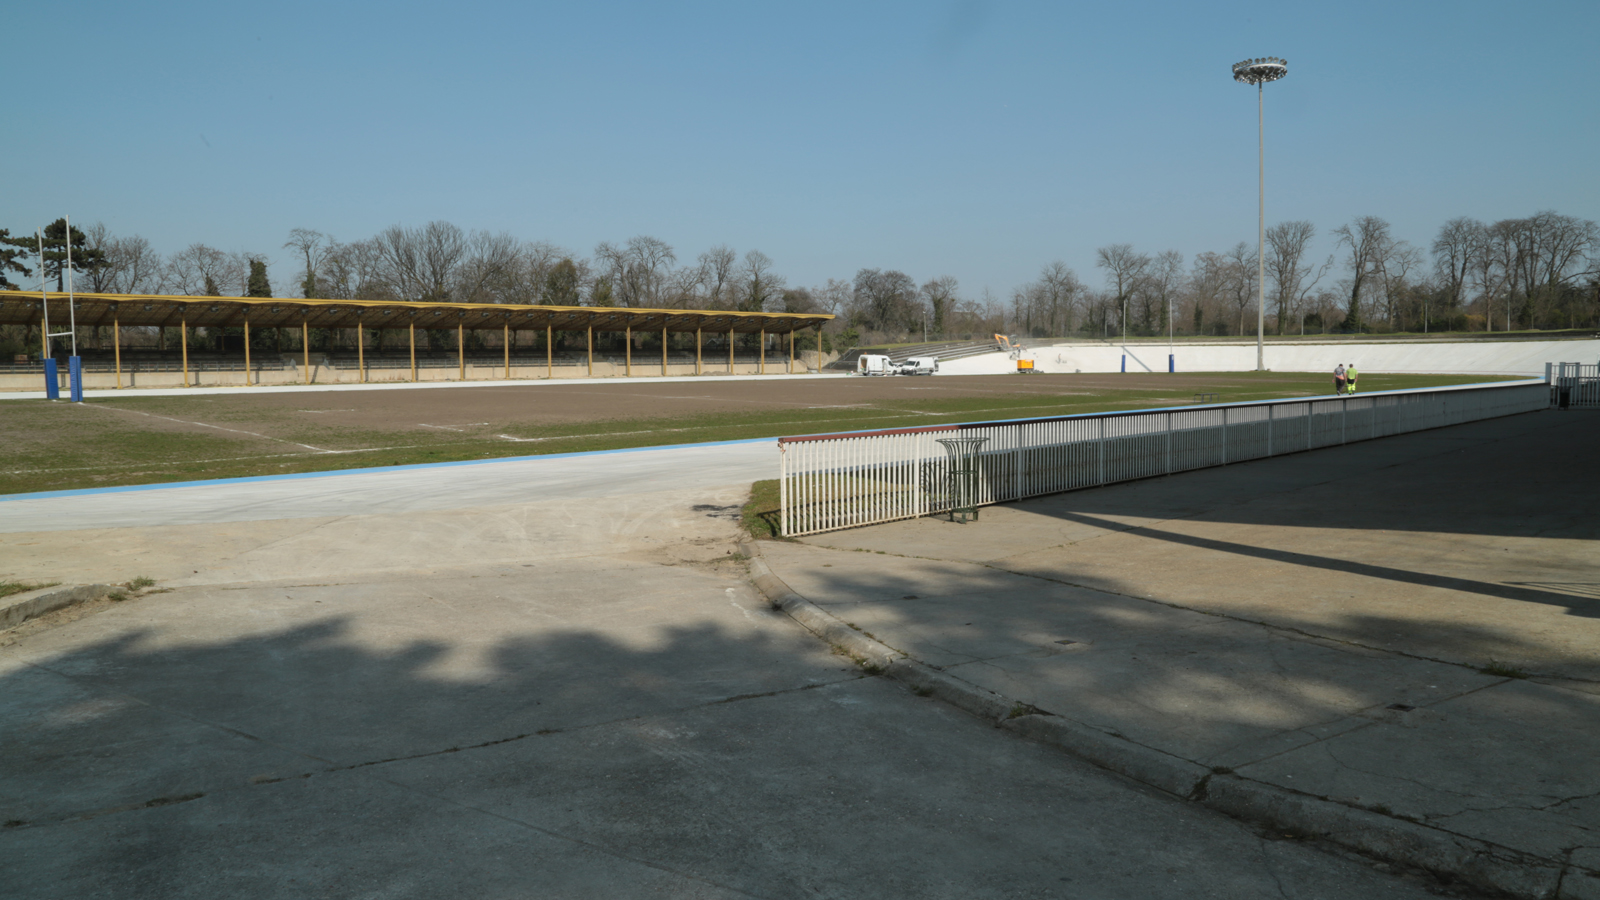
(974, 139)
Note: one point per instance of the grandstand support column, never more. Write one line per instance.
(361, 352)
(246, 350)
(116, 347)
(762, 366)
(305, 347)
(819, 348)
(413, 328)
(183, 335)
(627, 343)
(591, 351)
(461, 350)
(663, 351)
(697, 351)
(791, 353)
(505, 342)
(730, 351)
(549, 353)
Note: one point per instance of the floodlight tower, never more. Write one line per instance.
(1258, 72)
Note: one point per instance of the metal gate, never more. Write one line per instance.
(1573, 385)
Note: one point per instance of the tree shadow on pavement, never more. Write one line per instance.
(327, 760)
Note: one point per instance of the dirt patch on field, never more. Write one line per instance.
(469, 409)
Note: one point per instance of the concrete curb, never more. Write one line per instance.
(19, 608)
(1451, 857)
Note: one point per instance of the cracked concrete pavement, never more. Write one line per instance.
(1409, 626)
(536, 693)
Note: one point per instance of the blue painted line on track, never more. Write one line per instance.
(122, 489)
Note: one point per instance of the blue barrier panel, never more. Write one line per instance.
(1172, 363)
(75, 378)
(1124, 362)
(52, 382)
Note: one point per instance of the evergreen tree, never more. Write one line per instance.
(561, 284)
(84, 259)
(258, 285)
(9, 259)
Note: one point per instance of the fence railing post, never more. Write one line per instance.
(783, 490)
(1100, 451)
(1169, 444)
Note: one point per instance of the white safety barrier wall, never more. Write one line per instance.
(1573, 385)
(833, 481)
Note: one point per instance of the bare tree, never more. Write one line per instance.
(1453, 250)
(1028, 308)
(1509, 245)
(1240, 271)
(489, 269)
(757, 283)
(717, 264)
(533, 264)
(1124, 267)
(312, 247)
(127, 265)
(1287, 265)
(686, 287)
(1060, 291)
(1487, 275)
(1208, 281)
(1395, 263)
(201, 271)
(637, 271)
(422, 263)
(1366, 239)
(1160, 287)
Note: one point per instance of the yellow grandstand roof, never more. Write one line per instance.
(26, 308)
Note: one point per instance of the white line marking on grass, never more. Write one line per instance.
(217, 427)
(452, 427)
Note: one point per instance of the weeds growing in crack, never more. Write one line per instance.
(1503, 670)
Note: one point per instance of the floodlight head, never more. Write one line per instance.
(1260, 71)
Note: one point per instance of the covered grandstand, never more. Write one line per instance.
(359, 337)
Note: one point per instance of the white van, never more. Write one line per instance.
(920, 365)
(873, 364)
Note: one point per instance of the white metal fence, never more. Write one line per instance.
(833, 481)
(1573, 385)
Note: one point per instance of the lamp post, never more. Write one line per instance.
(1258, 72)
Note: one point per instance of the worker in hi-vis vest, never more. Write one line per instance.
(1350, 378)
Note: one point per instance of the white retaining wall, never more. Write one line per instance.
(1482, 357)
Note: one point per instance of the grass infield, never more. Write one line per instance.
(147, 440)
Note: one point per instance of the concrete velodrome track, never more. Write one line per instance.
(397, 491)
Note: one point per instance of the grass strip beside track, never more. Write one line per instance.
(61, 446)
(7, 588)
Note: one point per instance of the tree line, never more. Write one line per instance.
(1542, 271)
